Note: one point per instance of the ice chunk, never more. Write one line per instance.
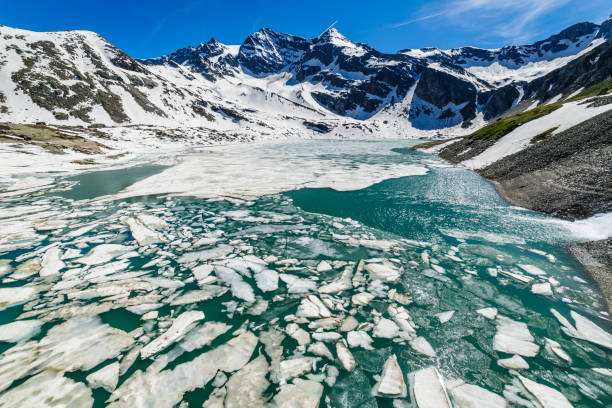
(246, 387)
(103, 253)
(296, 332)
(203, 335)
(359, 338)
(239, 288)
(80, 343)
(385, 271)
(320, 349)
(19, 330)
(326, 336)
(350, 323)
(445, 316)
(48, 389)
(473, 396)
(295, 367)
(15, 295)
(547, 397)
(51, 263)
(220, 251)
(300, 394)
(344, 282)
(157, 389)
(556, 348)
(429, 389)
(312, 307)
(513, 337)
(152, 221)
(324, 266)
(515, 362)
(488, 312)
(298, 285)
(267, 280)
(591, 332)
(362, 298)
(532, 269)
(541, 288)
(386, 329)
(143, 235)
(180, 326)
(345, 356)
(202, 271)
(106, 377)
(421, 345)
(392, 383)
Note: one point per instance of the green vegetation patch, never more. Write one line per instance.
(50, 139)
(602, 88)
(503, 126)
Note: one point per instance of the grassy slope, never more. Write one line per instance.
(503, 126)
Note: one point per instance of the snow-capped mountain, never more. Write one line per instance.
(281, 84)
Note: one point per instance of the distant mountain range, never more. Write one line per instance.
(282, 84)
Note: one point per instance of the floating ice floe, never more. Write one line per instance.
(295, 367)
(103, 253)
(48, 389)
(324, 266)
(515, 362)
(143, 235)
(15, 295)
(298, 334)
(585, 329)
(386, 329)
(513, 337)
(473, 396)
(392, 383)
(301, 393)
(541, 288)
(342, 283)
(19, 330)
(161, 389)
(445, 316)
(547, 397)
(429, 389)
(239, 288)
(532, 269)
(421, 345)
(107, 377)
(345, 356)
(385, 271)
(298, 285)
(488, 312)
(362, 298)
(217, 252)
(206, 292)
(321, 350)
(51, 263)
(80, 343)
(266, 280)
(312, 307)
(359, 338)
(180, 326)
(246, 387)
(556, 348)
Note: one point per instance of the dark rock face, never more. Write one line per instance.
(566, 175)
(440, 88)
(498, 101)
(266, 51)
(587, 70)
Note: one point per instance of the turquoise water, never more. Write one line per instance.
(469, 234)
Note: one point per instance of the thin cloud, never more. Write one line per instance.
(416, 20)
(509, 20)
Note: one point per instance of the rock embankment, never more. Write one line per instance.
(566, 175)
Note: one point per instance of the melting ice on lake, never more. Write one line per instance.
(425, 290)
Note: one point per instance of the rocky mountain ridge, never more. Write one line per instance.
(283, 84)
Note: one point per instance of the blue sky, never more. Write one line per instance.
(156, 27)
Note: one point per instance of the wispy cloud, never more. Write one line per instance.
(506, 19)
